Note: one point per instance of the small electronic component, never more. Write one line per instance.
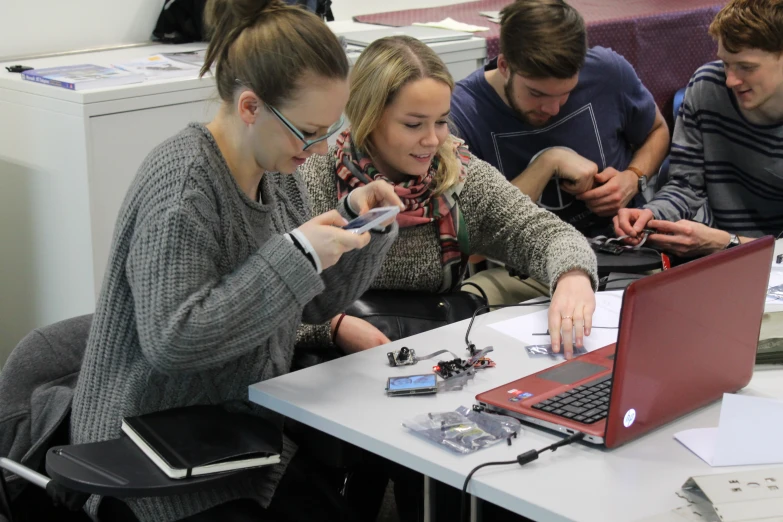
(448, 369)
(402, 357)
(406, 356)
(609, 248)
(484, 362)
(412, 385)
(458, 367)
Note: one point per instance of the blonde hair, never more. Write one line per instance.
(385, 67)
(269, 47)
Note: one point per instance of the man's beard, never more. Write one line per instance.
(508, 90)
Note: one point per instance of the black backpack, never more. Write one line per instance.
(182, 21)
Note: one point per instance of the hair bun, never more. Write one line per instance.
(251, 10)
(235, 13)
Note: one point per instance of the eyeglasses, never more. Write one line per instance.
(296, 132)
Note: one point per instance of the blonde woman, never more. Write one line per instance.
(455, 204)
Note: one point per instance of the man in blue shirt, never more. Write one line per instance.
(572, 128)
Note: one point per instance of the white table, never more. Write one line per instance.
(67, 159)
(583, 483)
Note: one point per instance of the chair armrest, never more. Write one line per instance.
(117, 468)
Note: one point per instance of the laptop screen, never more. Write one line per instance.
(687, 335)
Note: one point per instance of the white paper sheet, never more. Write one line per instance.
(347, 10)
(532, 328)
(701, 441)
(450, 23)
(748, 433)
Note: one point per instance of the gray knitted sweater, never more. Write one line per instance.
(202, 297)
(503, 224)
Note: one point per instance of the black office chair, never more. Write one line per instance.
(36, 388)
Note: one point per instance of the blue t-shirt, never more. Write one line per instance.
(607, 116)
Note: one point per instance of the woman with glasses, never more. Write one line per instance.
(217, 257)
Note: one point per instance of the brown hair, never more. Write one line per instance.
(268, 46)
(543, 38)
(750, 24)
(385, 67)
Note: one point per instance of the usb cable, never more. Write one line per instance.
(522, 459)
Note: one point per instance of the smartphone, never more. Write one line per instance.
(371, 219)
(412, 385)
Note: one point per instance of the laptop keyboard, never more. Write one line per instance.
(587, 404)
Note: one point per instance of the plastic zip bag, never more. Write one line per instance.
(464, 430)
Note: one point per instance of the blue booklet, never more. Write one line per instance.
(79, 77)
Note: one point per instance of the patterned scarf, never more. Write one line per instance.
(355, 169)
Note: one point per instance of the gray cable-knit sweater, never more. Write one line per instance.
(503, 224)
(202, 297)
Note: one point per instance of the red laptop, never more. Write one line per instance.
(687, 336)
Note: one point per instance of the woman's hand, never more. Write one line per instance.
(571, 311)
(355, 335)
(330, 241)
(376, 194)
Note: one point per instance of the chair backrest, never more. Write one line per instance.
(679, 96)
(36, 388)
(663, 173)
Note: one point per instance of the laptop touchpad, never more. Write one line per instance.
(572, 372)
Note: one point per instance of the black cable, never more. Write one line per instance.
(481, 290)
(470, 345)
(522, 459)
(602, 282)
(464, 495)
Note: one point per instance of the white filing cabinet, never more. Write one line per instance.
(66, 161)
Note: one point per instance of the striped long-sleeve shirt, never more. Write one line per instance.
(719, 157)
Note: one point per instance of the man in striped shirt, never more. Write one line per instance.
(727, 147)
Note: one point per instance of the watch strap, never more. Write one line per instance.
(637, 171)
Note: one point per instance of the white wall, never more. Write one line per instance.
(346, 9)
(42, 26)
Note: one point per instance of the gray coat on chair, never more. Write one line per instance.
(36, 388)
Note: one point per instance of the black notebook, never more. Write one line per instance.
(198, 440)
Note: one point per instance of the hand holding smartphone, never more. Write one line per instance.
(373, 218)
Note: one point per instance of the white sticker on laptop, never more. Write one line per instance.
(630, 416)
